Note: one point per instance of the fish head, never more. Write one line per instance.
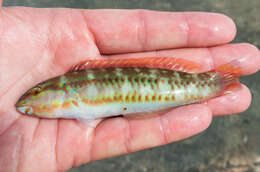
(43, 100)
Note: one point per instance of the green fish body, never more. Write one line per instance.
(103, 92)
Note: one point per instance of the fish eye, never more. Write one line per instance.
(36, 91)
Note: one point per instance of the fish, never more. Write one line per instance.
(96, 89)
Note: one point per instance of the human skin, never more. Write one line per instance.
(38, 44)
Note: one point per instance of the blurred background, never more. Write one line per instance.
(230, 144)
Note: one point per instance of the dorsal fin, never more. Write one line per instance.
(170, 63)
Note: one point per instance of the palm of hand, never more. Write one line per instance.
(38, 44)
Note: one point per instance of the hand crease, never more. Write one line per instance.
(21, 141)
(20, 155)
(163, 131)
(90, 31)
(49, 44)
(128, 136)
(10, 126)
(212, 64)
(56, 145)
(36, 129)
(187, 29)
(142, 34)
(91, 146)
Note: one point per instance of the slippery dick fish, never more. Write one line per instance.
(103, 88)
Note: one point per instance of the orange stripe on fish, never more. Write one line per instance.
(66, 105)
(75, 103)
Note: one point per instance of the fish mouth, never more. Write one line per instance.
(21, 109)
(25, 110)
(21, 106)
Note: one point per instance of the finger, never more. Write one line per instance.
(120, 31)
(120, 135)
(75, 140)
(38, 138)
(1, 2)
(210, 58)
(234, 102)
(249, 54)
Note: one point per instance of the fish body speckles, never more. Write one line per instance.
(128, 86)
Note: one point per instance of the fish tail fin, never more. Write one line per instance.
(232, 69)
(230, 74)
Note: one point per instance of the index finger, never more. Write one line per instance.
(121, 31)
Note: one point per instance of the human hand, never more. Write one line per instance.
(37, 44)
